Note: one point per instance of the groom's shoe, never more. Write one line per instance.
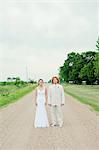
(60, 125)
(52, 125)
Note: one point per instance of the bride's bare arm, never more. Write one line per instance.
(46, 95)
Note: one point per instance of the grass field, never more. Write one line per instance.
(12, 93)
(84, 93)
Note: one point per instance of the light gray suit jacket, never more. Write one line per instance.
(56, 95)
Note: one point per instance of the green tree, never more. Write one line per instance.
(97, 44)
(78, 67)
(83, 73)
(96, 63)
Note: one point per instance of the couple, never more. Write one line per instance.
(55, 98)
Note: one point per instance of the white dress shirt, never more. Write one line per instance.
(56, 95)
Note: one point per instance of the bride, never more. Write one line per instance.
(41, 119)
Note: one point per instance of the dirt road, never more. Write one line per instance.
(80, 130)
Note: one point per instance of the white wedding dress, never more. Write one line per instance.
(41, 119)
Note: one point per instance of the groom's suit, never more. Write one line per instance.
(56, 98)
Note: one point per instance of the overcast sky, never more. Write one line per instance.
(39, 34)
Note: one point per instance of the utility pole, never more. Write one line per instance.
(26, 73)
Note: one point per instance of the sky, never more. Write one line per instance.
(37, 35)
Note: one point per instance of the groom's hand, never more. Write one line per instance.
(62, 104)
(50, 105)
(36, 104)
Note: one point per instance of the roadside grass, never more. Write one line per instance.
(12, 93)
(84, 93)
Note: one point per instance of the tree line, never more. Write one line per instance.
(17, 81)
(83, 67)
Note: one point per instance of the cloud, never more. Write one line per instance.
(39, 34)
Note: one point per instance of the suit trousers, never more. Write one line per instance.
(56, 115)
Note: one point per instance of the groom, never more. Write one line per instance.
(56, 100)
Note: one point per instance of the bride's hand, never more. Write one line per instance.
(36, 104)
